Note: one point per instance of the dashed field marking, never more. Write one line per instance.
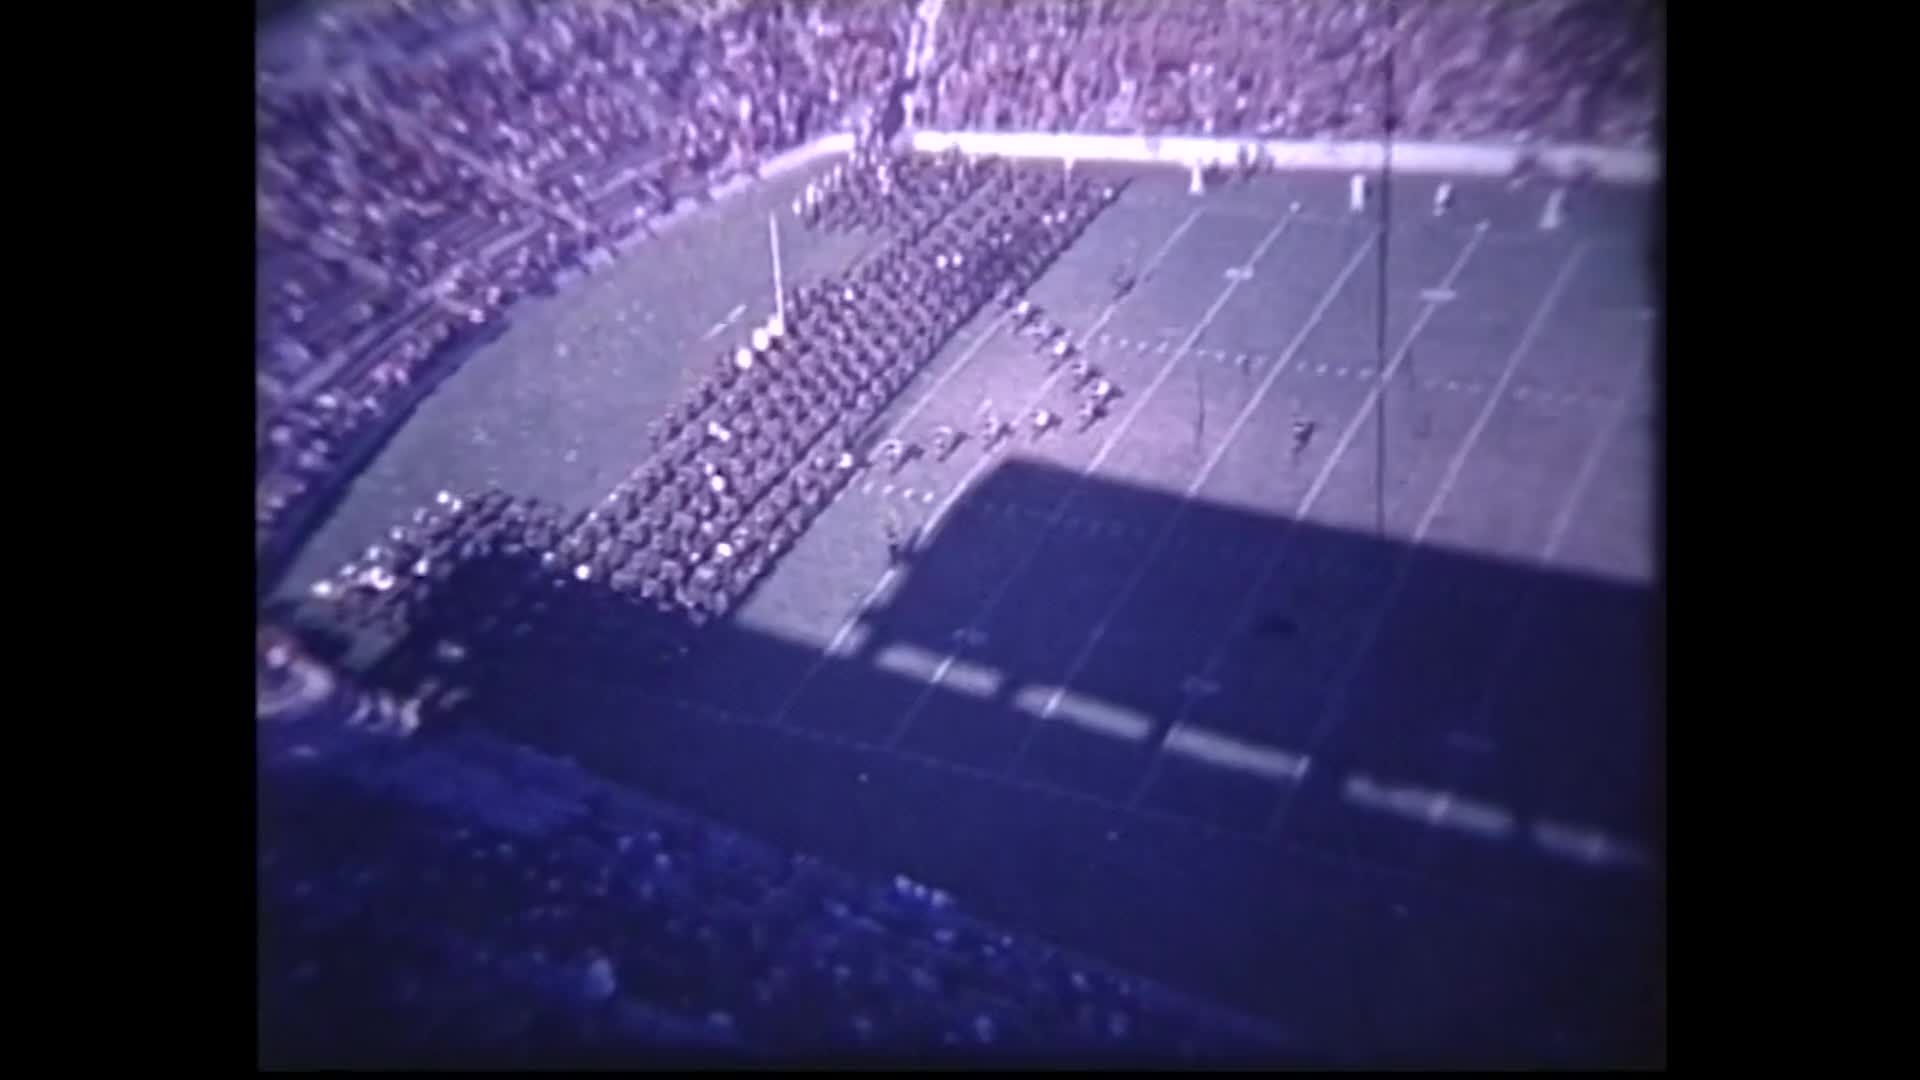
(1237, 552)
(1246, 361)
(780, 714)
(1587, 845)
(1274, 557)
(993, 598)
(1333, 711)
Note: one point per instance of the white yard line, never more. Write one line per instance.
(899, 426)
(1334, 711)
(1360, 416)
(1476, 735)
(1112, 440)
(946, 505)
(723, 325)
(1079, 663)
(1477, 727)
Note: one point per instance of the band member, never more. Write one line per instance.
(893, 453)
(1303, 430)
(1249, 163)
(944, 440)
(896, 539)
(1044, 420)
(992, 429)
(1091, 410)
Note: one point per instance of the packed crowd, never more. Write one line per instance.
(1479, 70)
(764, 440)
(422, 165)
(467, 899)
(436, 161)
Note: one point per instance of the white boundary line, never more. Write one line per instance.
(1112, 440)
(946, 505)
(993, 327)
(1334, 711)
(1312, 496)
(1167, 530)
(1254, 838)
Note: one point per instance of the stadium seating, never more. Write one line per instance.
(470, 898)
(1479, 70)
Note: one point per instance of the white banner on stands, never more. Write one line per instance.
(1185, 151)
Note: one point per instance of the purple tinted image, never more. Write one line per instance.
(978, 531)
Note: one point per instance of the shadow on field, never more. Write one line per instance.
(1466, 870)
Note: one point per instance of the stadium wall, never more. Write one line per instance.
(799, 157)
(839, 142)
(1186, 151)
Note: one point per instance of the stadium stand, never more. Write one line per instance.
(1476, 71)
(464, 880)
